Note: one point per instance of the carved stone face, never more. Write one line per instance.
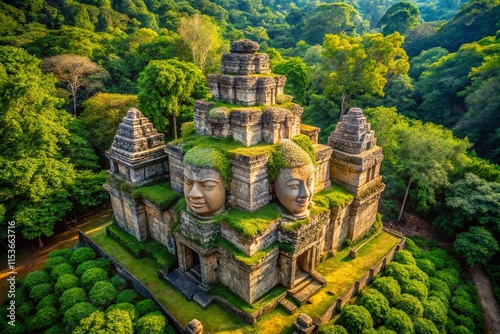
(294, 189)
(204, 191)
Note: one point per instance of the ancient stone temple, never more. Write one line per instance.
(263, 203)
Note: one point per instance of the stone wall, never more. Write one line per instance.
(363, 213)
(251, 245)
(176, 166)
(159, 225)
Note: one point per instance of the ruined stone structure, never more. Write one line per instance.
(255, 241)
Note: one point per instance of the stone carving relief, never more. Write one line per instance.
(204, 191)
(294, 189)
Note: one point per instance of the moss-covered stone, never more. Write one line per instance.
(286, 154)
(250, 224)
(160, 195)
(205, 157)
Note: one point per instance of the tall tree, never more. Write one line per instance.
(34, 177)
(401, 17)
(476, 245)
(297, 76)
(333, 18)
(203, 37)
(168, 89)
(360, 65)
(75, 72)
(419, 156)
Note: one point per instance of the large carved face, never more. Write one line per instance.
(294, 188)
(204, 191)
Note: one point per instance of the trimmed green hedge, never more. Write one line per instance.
(126, 240)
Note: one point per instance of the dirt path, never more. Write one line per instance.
(488, 302)
(29, 258)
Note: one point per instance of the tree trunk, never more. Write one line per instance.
(404, 200)
(343, 105)
(40, 243)
(174, 118)
(74, 104)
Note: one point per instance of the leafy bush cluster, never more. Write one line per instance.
(158, 252)
(419, 292)
(73, 293)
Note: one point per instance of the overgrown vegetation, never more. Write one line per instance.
(250, 224)
(241, 256)
(160, 195)
(90, 304)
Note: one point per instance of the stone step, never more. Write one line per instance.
(301, 285)
(203, 299)
(304, 294)
(300, 276)
(289, 306)
(194, 274)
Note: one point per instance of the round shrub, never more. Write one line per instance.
(61, 269)
(151, 323)
(54, 261)
(399, 322)
(439, 257)
(426, 266)
(356, 319)
(436, 312)
(54, 330)
(376, 304)
(410, 305)
(413, 248)
(128, 296)
(77, 312)
(119, 321)
(65, 282)
(24, 310)
(47, 301)
(415, 288)
(417, 274)
(463, 305)
(404, 257)
(398, 271)
(118, 282)
(34, 325)
(66, 253)
(385, 330)
(22, 294)
(102, 293)
(94, 323)
(440, 289)
(450, 276)
(41, 290)
(81, 255)
(36, 277)
(71, 297)
(99, 263)
(145, 306)
(332, 329)
(463, 320)
(389, 287)
(92, 276)
(17, 329)
(424, 326)
(461, 330)
(47, 316)
(125, 307)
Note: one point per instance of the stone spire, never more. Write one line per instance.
(246, 77)
(137, 154)
(356, 159)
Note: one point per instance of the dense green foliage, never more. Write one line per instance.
(48, 305)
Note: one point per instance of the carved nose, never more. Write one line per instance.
(195, 191)
(304, 191)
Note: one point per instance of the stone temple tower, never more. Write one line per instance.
(136, 157)
(355, 164)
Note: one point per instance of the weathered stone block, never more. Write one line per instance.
(176, 166)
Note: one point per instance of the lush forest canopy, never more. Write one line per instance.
(427, 74)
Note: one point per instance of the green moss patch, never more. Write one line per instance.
(241, 256)
(250, 224)
(296, 225)
(160, 194)
(306, 127)
(305, 143)
(286, 154)
(207, 157)
(336, 196)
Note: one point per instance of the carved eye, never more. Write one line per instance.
(188, 182)
(294, 186)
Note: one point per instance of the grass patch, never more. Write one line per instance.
(160, 194)
(250, 224)
(308, 128)
(223, 291)
(336, 196)
(241, 256)
(160, 254)
(296, 225)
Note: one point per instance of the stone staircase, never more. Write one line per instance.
(188, 285)
(305, 286)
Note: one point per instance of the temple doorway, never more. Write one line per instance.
(191, 262)
(303, 265)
